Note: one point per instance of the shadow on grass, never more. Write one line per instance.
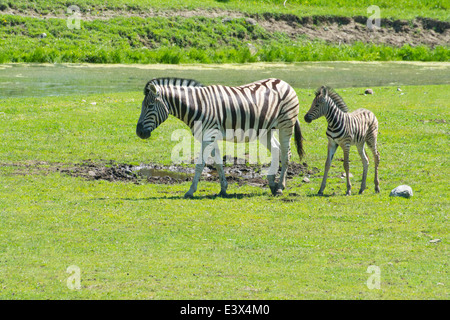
(200, 197)
(315, 195)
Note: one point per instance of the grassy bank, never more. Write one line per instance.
(404, 9)
(146, 242)
(180, 40)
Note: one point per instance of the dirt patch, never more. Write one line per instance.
(332, 29)
(242, 174)
(347, 30)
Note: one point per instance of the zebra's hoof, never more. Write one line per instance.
(188, 195)
(273, 189)
(377, 190)
(223, 194)
(361, 191)
(320, 193)
(278, 193)
(348, 193)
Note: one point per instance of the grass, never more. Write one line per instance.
(405, 9)
(146, 242)
(177, 40)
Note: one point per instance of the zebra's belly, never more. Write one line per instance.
(241, 136)
(237, 135)
(348, 138)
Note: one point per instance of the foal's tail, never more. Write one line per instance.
(298, 139)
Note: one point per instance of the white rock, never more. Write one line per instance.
(305, 180)
(343, 175)
(402, 191)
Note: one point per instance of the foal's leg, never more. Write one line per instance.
(376, 159)
(346, 149)
(365, 162)
(332, 147)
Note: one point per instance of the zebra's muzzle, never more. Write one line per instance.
(141, 132)
(308, 118)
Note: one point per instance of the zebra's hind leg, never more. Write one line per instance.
(346, 148)
(365, 162)
(285, 138)
(272, 144)
(376, 159)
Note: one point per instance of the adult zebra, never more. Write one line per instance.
(346, 129)
(260, 106)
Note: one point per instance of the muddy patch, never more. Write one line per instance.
(235, 170)
(242, 174)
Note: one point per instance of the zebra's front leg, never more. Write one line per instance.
(332, 147)
(346, 149)
(198, 172)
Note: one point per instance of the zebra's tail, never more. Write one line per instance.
(298, 139)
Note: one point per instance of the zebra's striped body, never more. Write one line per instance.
(344, 130)
(252, 108)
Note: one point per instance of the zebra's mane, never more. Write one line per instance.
(335, 97)
(173, 82)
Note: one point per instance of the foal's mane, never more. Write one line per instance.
(334, 96)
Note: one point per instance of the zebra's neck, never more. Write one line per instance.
(178, 103)
(334, 115)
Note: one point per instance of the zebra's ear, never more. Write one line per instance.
(154, 90)
(324, 91)
(151, 87)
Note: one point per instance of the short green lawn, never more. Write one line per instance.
(144, 241)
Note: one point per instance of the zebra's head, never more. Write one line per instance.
(153, 112)
(318, 106)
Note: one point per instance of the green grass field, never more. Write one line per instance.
(146, 242)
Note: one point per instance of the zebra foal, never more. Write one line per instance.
(346, 129)
(258, 107)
